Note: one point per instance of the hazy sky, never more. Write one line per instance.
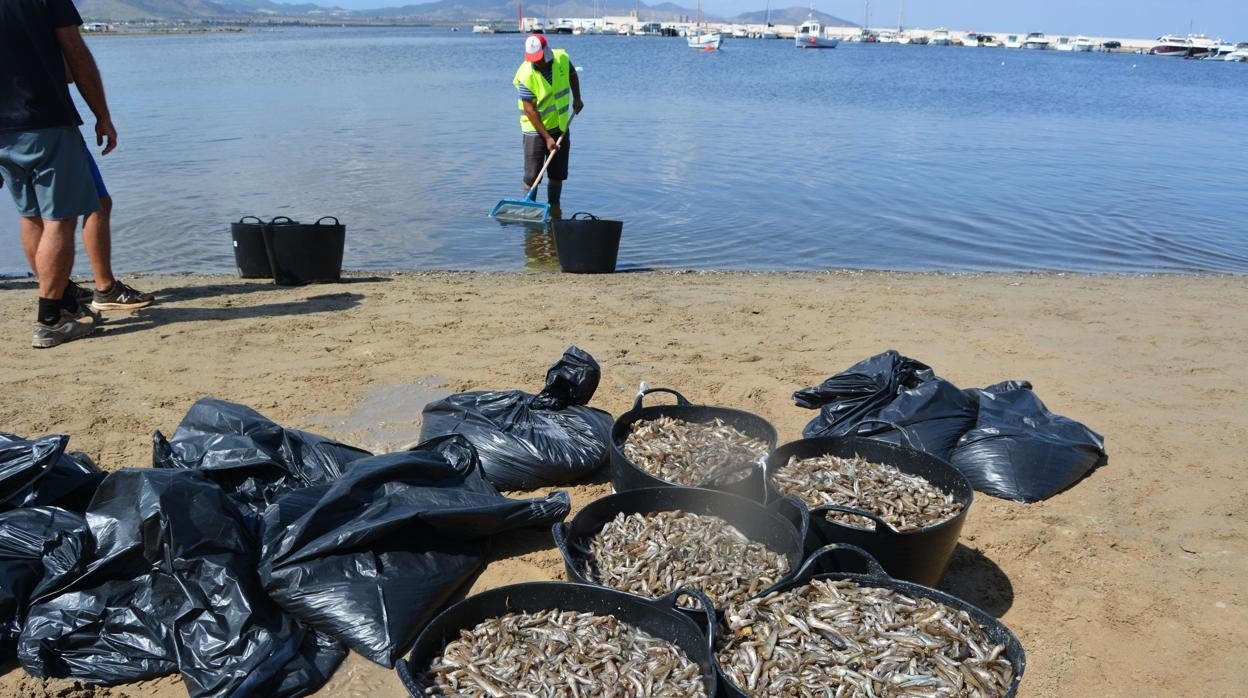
(1128, 18)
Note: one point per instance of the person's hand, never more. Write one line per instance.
(577, 106)
(551, 144)
(104, 131)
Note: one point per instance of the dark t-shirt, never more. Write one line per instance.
(33, 91)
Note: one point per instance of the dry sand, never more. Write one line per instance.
(1130, 583)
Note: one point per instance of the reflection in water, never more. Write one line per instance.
(539, 248)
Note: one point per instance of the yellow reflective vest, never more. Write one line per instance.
(553, 99)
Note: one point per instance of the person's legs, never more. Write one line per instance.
(54, 257)
(32, 228)
(97, 238)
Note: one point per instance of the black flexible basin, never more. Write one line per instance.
(659, 618)
(875, 576)
(781, 527)
(625, 475)
(921, 555)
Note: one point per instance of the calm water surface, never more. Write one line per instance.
(760, 156)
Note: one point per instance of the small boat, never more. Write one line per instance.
(769, 32)
(1082, 44)
(988, 41)
(1240, 54)
(1012, 41)
(903, 38)
(705, 40)
(919, 40)
(940, 37)
(887, 36)
(739, 32)
(1036, 41)
(1064, 44)
(810, 35)
(609, 30)
(482, 28)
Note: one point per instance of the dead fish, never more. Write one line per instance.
(556, 653)
(905, 502)
(686, 453)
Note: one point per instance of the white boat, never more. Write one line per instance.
(903, 38)
(705, 40)
(1064, 44)
(1082, 44)
(609, 30)
(940, 37)
(769, 32)
(1240, 54)
(1036, 41)
(887, 36)
(810, 35)
(482, 28)
(1190, 46)
(739, 32)
(1012, 41)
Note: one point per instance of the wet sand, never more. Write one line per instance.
(1130, 583)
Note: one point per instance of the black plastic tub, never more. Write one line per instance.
(303, 253)
(588, 245)
(627, 476)
(781, 527)
(920, 555)
(659, 618)
(875, 576)
(249, 254)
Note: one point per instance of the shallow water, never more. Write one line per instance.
(760, 156)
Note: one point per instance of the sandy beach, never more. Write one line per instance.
(1130, 583)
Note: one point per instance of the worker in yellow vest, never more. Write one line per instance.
(549, 93)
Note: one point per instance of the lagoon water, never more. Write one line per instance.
(758, 157)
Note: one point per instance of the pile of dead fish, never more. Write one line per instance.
(561, 653)
(905, 502)
(858, 641)
(654, 554)
(687, 453)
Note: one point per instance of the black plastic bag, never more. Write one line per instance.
(171, 586)
(891, 398)
(858, 393)
(1019, 450)
(528, 441)
(33, 540)
(250, 456)
(40, 473)
(372, 556)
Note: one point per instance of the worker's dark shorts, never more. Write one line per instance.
(535, 155)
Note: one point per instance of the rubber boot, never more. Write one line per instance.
(553, 191)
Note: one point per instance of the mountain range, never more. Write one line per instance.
(441, 11)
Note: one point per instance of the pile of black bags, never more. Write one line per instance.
(1001, 437)
(248, 559)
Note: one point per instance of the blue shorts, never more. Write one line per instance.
(48, 173)
(100, 189)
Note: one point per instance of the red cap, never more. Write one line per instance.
(535, 49)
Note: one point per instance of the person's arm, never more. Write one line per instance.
(87, 77)
(530, 110)
(577, 104)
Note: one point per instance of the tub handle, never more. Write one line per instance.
(282, 220)
(335, 220)
(254, 218)
(708, 609)
(680, 399)
(724, 471)
(880, 524)
(873, 566)
(405, 677)
(588, 216)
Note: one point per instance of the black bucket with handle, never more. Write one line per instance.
(626, 475)
(659, 618)
(836, 556)
(588, 244)
(250, 257)
(781, 526)
(920, 555)
(305, 253)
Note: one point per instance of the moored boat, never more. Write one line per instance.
(1082, 44)
(1036, 41)
(940, 37)
(810, 35)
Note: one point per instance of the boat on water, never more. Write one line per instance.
(1240, 54)
(1036, 41)
(482, 28)
(940, 37)
(1175, 46)
(1082, 44)
(701, 38)
(769, 32)
(1012, 41)
(920, 40)
(739, 32)
(1064, 44)
(810, 35)
(887, 36)
(988, 41)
